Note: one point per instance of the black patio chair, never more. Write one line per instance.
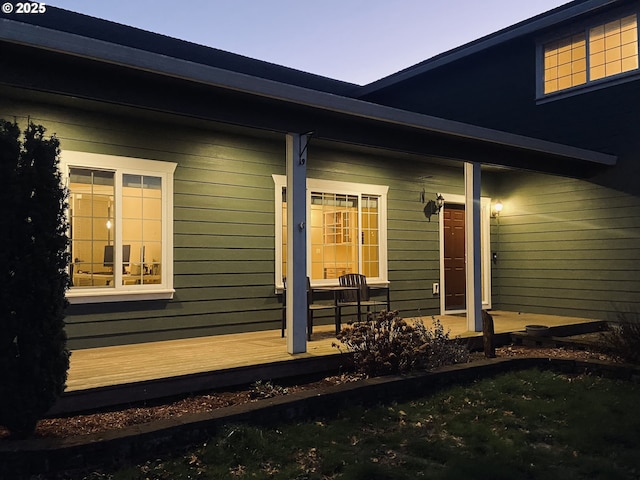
(311, 308)
(349, 298)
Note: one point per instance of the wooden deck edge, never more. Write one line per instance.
(51, 455)
(149, 390)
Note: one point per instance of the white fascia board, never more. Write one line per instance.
(71, 44)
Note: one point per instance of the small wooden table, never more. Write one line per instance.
(336, 289)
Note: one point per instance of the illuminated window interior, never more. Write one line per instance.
(92, 210)
(344, 230)
(613, 48)
(565, 63)
(603, 51)
(104, 243)
(142, 228)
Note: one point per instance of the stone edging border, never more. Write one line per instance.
(48, 455)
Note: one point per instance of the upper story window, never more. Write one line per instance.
(598, 52)
(121, 227)
(347, 234)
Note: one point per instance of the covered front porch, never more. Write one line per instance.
(122, 374)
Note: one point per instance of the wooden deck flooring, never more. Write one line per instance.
(110, 366)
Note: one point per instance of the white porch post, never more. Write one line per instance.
(296, 243)
(472, 246)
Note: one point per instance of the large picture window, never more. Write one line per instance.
(346, 234)
(120, 217)
(600, 51)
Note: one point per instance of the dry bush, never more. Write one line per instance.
(622, 340)
(387, 344)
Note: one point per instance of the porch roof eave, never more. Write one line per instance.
(346, 108)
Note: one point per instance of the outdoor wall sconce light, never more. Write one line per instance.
(497, 208)
(433, 207)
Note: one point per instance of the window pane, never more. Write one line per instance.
(596, 46)
(551, 74)
(618, 40)
(564, 58)
(550, 86)
(612, 41)
(612, 28)
(370, 236)
(612, 55)
(564, 70)
(564, 61)
(629, 63)
(92, 227)
(627, 23)
(579, 66)
(629, 36)
(142, 228)
(284, 232)
(597, 60)
(344, 232)
(613, 68)
(596, 34)
(580, 77)
(597, 72)
(579, 52)
(630, 51)
(334, 235)
(152, 207)
(564, 82)
(613, 49)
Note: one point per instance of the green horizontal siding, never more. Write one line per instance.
(224, 256)
(567, 247)
(564, 246)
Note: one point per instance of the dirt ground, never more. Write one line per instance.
(117, 419)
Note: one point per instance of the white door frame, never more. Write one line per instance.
(485, 214)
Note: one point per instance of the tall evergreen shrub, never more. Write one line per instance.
(33, 278)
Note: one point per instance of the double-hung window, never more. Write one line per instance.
(121, 227)
(596, 53)
(347, 230)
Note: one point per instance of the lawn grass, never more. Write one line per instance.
(525, 425)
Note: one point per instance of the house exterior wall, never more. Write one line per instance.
(496, 88)
(224, 217)
(565, 246)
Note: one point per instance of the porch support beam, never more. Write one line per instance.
(472, 246)
(296, 243)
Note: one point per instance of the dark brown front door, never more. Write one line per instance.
(454, 253)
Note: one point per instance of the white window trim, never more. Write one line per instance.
(591, 85)
(331, 186)
(135, 166)
(485, 213)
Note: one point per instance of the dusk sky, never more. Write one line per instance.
(357, 41)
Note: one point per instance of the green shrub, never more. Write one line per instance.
(622, 340)
(387, 344)
(33, 277)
